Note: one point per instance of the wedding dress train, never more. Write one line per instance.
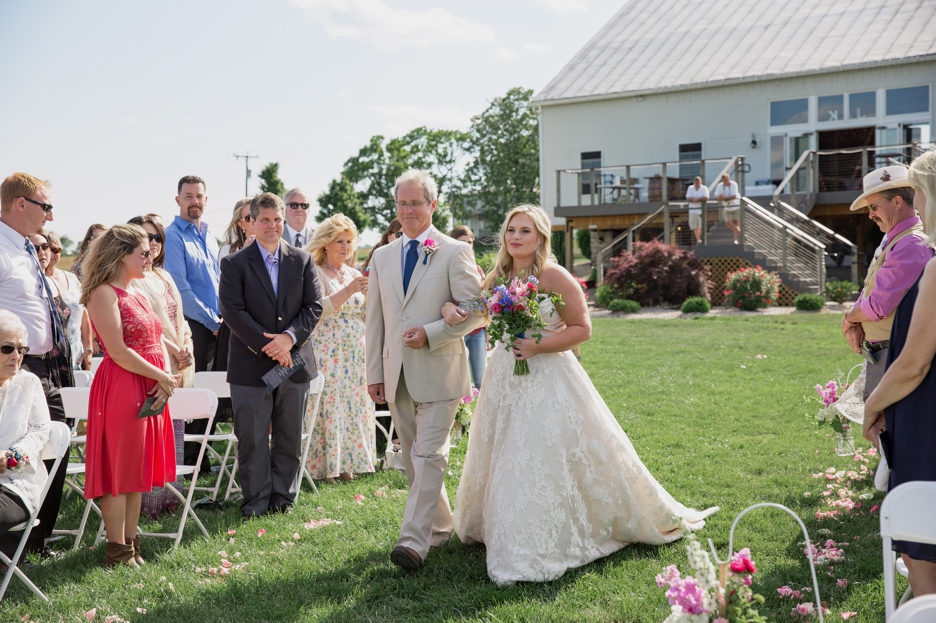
(551, 481)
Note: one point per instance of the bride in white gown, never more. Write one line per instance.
(551, 481)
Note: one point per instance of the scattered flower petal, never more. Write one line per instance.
(90, 614)
(261, 532)
(232, 532)
(296, 536)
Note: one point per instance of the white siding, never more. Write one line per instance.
(723, 118)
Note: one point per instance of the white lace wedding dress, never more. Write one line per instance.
(551, 481)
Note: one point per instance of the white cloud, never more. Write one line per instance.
(506, 54)
(372, 21)
(565, 6)
(536, 48)
(402, 119)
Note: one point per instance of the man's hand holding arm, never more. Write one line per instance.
(466, 287)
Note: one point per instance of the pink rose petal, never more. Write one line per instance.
(232, 532)
(261, 532)
(90, 614)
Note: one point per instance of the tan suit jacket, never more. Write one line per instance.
(439, 372)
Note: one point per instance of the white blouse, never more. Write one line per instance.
(25, 425)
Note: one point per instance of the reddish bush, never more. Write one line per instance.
(657, 273)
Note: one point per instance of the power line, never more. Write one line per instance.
(246, 158)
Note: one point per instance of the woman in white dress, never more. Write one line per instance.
(551, 481)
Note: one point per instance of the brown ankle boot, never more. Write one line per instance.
(137, 550)
(119, 554)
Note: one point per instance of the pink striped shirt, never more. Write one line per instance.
(902, 267)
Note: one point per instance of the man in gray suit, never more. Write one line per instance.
(271, 300)
(296, 232)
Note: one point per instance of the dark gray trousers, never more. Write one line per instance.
(269, 465)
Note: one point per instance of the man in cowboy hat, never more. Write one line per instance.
(867, 325)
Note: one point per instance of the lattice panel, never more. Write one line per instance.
(721, 266)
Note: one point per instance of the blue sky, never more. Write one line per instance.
(114, 101)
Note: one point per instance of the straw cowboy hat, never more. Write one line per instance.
(881, 179)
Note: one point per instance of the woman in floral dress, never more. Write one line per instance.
(343, 436)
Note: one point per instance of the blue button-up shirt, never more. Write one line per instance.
(192, 260)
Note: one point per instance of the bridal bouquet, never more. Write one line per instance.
(514, 307)
(705, 598)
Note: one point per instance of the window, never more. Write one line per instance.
(788, 112)
(907, 100)
(777, 163)
(862, 105)
(690, 151)
(590, 160)
(831, 108)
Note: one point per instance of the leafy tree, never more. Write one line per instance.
(504, 141)
(67, 244)
(374, 169)
(583, 238)
(341, 198)
(270, 181)
(558, 246)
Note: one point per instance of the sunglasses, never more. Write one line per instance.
(46, 207)
(247, 217)
(146, 254)
(296, 206)
(8, 349)
(45, 246)
(154, 238)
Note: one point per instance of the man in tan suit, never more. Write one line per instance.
(415, 360)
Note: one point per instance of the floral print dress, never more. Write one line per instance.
(343, 439)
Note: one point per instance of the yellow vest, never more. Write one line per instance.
(881, 330)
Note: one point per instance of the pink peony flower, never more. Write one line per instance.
(805, 608)
(785, 591)
(741, 562)
(842, 584)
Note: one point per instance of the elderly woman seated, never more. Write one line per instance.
(24, 431)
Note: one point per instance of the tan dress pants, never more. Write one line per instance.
(424, 436)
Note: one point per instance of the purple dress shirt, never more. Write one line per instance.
(903, 266)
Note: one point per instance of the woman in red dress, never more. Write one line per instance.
(125, 456)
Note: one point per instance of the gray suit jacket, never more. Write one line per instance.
(306, 233)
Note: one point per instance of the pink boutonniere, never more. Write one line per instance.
(429, 247)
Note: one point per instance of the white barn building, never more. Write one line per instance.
(796, 100)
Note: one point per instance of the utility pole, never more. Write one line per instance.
(246, 158)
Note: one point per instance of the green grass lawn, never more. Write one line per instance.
(715, 424)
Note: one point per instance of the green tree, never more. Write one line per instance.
(504, 142)
(67, 244)
(583, 238)
(374, 169)
(341, 198)
(270, 181)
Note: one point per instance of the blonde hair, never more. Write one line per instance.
(503, 263)
(326, 233)
(922, 177)
(234, 235)
(19, 185)
(103, 263)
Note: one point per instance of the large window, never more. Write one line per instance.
(831, 108)
(789, 112)
(590, 160)
(862, 105)
(907, 100)
(690, 151)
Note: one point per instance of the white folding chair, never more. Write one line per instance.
(906, 515)
(392, 459)
(918, 610)
(96, 363)
(217, 382)
(83, 378)
(189, 404)
(315, 389)
(75, 400)
(55, 448)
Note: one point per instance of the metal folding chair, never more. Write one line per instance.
(217, 382)
(906, 515)
(315, 389)
(59, 434)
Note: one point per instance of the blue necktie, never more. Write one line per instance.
(58, 333)
(409, 264)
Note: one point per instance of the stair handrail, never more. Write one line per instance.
(792, 172)
(728, 168)
(606, 250)
(779, 222)
(817, 224)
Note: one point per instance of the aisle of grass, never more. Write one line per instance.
(715, 424)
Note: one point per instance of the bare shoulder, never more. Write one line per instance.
(102, 295)
(555, 278)
(928, 281)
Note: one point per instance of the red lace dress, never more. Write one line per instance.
(124, 454)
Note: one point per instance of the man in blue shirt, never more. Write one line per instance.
(192, 260)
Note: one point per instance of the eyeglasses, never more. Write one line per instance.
(412, 204)
(154, 238)
(295, 206)
(146, 254)
(46, 207)
(45, 246)
(8, 349)
(874, 207)
(246, 218)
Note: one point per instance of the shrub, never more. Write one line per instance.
(583, 238)
(839, 291)
(624, 305)
(558, 245)
(696, 305)
(809, 302)
(604, 294)
(751, 288)
(486, 261)
(657, 273)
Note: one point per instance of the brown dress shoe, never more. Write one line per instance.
(405, 558)
(136, 542)
(119, 554)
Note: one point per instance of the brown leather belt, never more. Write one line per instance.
(876, 346)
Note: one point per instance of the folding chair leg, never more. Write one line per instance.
(231, 486)
(84, 522)
(308, 476)
(14, 567)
